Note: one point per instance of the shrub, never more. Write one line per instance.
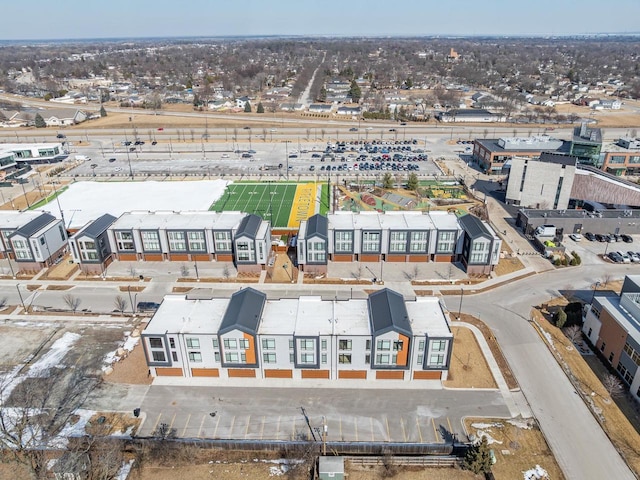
(561, 318)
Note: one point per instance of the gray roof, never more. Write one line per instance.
(493, 145)
(473, 226)
(317, 225)
(98, 226)
(34, 225)
(244, 311)
(387, 312)
(559, 158)
(249, 226)
(584, 134)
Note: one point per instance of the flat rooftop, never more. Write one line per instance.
(498, 145)
(179, 220)
(551, 214)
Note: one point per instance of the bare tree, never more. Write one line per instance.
(573, 333)
(72, 302)
(226, 272)
(3, 302)
(132, 270)
(120, 303)
(184, 270)
(36, 410)
(613, 385)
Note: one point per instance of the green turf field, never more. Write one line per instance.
(269, 201)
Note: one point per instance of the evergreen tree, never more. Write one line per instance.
(39, 121)
(561, 318)
(103, 112)
(478, 458)
(247, 107)
(354, 92)
(387, 180)
(260, 108)
(412, 181)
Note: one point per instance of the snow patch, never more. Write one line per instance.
(123, 474)
(490, 439)
(520, 424)
(487, 425)
(536, 473)
(54, 355)
(128, 345)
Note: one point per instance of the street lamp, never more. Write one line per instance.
(289, 274)
(460, 306)
(195, 266)
(595, 288)
(129, 160)
(21, 299)
(133, 308)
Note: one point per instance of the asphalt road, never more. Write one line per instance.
(576, 439)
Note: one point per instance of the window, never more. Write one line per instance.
(196, 242)
(611, 357)
(603, 346)
(195, 357)
(343, 241)
(324, 358)
(290, 344)
(62, 233)
(21, 249)
(383, 345)
(446, 242)
(269, 357)
(316, 251)
(222, 241)
(634, 159)
(616, 159)
(436, 360)
(150, 241)
(177, 241)
(307, 358)
(230, 343)
(633, 354)
(231, 357)
(216, 356)
(419, 242)
(344, 345)
(383, 359)
(158, 356)
(174, 356)
(398, 242)
(344, 358)
(370, 242)
(421, 346)
(438, 345)
(215, 343)
(324, 344)
(193, 343)
(480, 252)
(243, 343)
(172, 342)
(368, 345)
(245, 251)
(268, 343)
(420, 359)
(306, 344)
(124, 241)
(398, 346)
(155, 342)
(367, 359)
(596, 310)
(291, 358)
(624, 373)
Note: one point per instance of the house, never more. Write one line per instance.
(242, 102)
(480, 246)
(90, 247)
(612, 326)
(220, 105)
(466, 115)
(351, 111)
(383, 337)
(312, 243)
(60, 117)
(39, 243)
(10, 221)
(320, 108)
(292, 107)
(252, 243)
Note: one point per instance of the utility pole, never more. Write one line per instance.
(21, 299)
(460, 306)
(324, 435)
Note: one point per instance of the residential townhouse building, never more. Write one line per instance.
(480, 246)
(247, 336)
(10, 221)
(174, 236)
(39, 243)
(612, 325)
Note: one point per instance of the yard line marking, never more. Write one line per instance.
(247, 429)
(262, 429)
(435, 430)
(216, 429)
(386, 420)
(419, 431)
(201, 424)
(172, 420)
(404, 433)
(155, 426)
(186, 424)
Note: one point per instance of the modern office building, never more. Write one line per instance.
(586, 144)
(379, 338)
(544, 182)
(623, 158)
(35, 153)
(612, 325)
(493, 155)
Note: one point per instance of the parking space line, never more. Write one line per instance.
(233, 422)
(216, 429)
(450, 428)
(155, 426)
(246, 431)
(386, 420)
(201, 424)
(404, 433)
(262, 429)
(186, 424)
(173, 419)
(278, 428)
(341, 437)
(373, 437)
(435, 430)
(419, 431)
(355, 425)
(293, 430)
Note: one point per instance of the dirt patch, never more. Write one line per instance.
(62, 271)
(181, 289)
(468, 367)
(31, 288)
(130, 288)
(508, 375)
(243, 279)
(358, 472)
(508, 265)
(522, 447)
(132, 369)
(58, 287)
(112, 423)
(615, 424)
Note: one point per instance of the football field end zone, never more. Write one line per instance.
(304, 204)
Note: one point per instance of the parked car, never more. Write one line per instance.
(625, 258)
(614, 257)
(111, 160)
(627, 238)
(576, 237)
(353, 129)
(154, 143)
(147, 306)
(590, 236)
(601, 238)
(634, 256)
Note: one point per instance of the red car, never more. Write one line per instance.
(160, 129)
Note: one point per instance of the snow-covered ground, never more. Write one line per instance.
(83, 202)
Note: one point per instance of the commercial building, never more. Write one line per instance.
(544, 182)
(586, 144)
(492, 155)
(612, 325)
(580, 221)
(382, 337)
(34, 153)
(623, 158)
